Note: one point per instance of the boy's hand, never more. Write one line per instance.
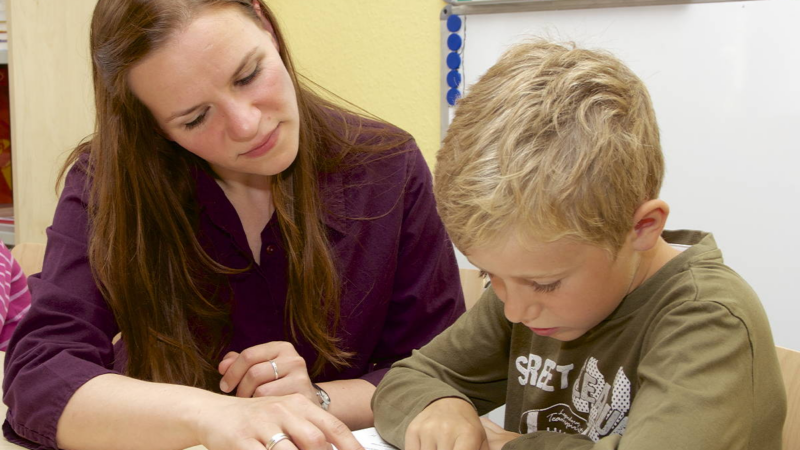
(496, 436)
(446, 424)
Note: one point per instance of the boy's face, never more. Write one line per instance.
(559, 289)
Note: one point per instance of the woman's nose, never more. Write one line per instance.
(243, 121)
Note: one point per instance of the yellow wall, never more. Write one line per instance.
(382, 55)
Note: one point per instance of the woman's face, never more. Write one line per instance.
(220, 90)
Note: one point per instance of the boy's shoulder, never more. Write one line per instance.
(699, 273)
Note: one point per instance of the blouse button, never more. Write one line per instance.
(270, 249)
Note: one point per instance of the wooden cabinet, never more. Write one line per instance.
(52, 106)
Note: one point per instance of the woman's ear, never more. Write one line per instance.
(163, 133)
(649, 221)
(264, 21)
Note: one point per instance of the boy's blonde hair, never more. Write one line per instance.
(552, 142)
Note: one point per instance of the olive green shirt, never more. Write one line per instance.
(686, 361)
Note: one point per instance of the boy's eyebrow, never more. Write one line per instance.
(525, 276)
(238, 70)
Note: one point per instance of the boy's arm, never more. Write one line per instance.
(697, 383)
(469, 360)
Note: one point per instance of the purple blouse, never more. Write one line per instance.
(400, 286)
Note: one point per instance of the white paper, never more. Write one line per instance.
(371, 440)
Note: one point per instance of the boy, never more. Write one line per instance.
(600, 329)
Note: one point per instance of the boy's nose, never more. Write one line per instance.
(520, 308)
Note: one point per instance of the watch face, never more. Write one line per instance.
(324, 399)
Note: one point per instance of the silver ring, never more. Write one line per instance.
(275, 369)
(277, 438)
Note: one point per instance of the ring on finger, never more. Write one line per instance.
(274, 369)
(276, 438)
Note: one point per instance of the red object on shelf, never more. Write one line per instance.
(5, 138)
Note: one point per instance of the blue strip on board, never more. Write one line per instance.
(452, 96)
(453, 23)
(454, 42)
(453, 79)
(453, 60)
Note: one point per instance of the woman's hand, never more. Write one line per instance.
(270, 369)
(446, 424)
(249, 424)
(496, 436)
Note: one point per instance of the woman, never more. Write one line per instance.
(245, 237)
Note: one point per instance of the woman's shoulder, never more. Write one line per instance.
(364, 139)
(77, 177)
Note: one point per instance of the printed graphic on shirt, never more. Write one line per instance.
(598, 408)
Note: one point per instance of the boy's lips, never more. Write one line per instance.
(544, 331)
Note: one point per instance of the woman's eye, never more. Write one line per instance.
(249, 79)
(196, 121)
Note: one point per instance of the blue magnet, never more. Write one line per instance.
(452, 96)
(454, 42)
(453, 23)
(453, 60)
(453, 78)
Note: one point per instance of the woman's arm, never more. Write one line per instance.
(276, 369)
(116, 412)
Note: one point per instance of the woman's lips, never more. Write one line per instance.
(266, 146)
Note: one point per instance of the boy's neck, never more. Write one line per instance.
(653, 260)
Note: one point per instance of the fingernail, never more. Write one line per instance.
(223, 386)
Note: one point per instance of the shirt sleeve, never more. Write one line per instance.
(426, 292)
(469, 360)
(16, 299)
(696, 389)
(65, 338)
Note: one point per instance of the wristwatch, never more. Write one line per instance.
(324, 399)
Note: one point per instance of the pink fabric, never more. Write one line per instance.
(15, 300)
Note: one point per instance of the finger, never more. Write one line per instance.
(285, 444)
(256, 376)
(292, 377)
(282, 444)
(296, 382)
(427, 441)
(333, 429)
(471, 441)
(243, 361)
(306, 435)
(254, 444)
(412, 440)
(491, 426)
(226, 362)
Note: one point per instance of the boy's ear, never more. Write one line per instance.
(649, 221)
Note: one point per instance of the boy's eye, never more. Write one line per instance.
(196, 121)
(249, 79)
(545, 287)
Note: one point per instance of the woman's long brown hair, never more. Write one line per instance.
(166, 292)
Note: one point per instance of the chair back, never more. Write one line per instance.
(790, 368)
(472, 284)
(30, 256)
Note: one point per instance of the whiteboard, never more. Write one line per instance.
(725, 84)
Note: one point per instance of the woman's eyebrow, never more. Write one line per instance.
(236, 73)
